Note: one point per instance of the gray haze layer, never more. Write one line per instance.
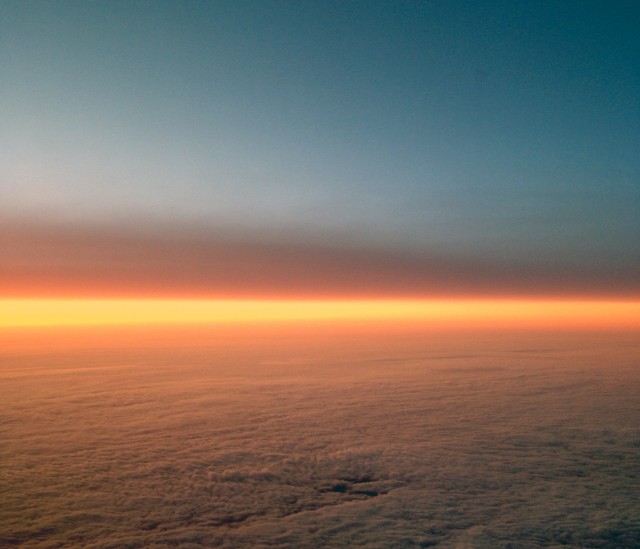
(486, 440)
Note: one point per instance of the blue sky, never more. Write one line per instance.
(495, 130)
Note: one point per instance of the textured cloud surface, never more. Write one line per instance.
(431, 440)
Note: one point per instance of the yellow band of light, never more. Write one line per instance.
(474, 312)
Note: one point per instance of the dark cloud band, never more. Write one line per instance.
(81, 260)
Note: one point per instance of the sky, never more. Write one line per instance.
(281, 148)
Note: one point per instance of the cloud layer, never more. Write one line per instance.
(80, 260)
(407, 442)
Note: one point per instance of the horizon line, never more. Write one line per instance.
(468, 312)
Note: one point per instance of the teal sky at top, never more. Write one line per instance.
(495, 129)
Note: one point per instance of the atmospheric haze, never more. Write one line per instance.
(321, 438)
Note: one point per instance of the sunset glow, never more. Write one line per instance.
(468, 313)
(319, 273)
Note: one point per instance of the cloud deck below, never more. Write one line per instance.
(485, 440)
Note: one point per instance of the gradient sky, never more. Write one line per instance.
(438, 146)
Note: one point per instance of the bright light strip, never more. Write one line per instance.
(468, 312)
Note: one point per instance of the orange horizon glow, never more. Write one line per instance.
(469, 313)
